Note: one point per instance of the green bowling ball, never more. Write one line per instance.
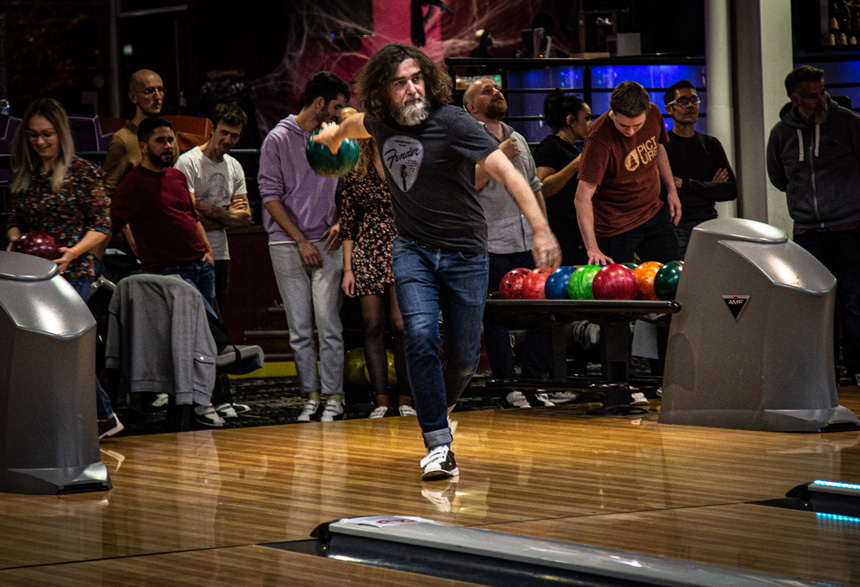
(579, 286)
(392, 372)
(354, 369)
(328, 164)
(666, 280)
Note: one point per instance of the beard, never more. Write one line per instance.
(411, 114)
(813, 116)
(497, 109)
(163, 160)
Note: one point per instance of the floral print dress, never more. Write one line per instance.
(367, 220)
(79, 207)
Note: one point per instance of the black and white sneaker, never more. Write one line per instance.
(439, 463)
(309, 412)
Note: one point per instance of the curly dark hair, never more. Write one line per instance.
(377, 75)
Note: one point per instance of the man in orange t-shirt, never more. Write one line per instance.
(618, 203)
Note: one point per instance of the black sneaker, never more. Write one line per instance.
(439, 463)
(110, 426)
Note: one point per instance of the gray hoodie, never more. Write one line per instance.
(818, 166)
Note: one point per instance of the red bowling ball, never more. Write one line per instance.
(38, 243)
(614, 282)
(533, 284)
(511, 286)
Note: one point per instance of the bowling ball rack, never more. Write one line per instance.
(613, 317)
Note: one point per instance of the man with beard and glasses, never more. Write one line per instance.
(509, 240)
(154, 201)
(429, 150)
(301, 217)
(813, 155)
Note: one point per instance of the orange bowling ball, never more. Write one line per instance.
(645, 274)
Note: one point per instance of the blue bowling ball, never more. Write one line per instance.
(556, 284)
(324, 162)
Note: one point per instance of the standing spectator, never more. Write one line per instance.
(618, 204)
(368, 234)
(216, 181)
(56, 192)
(701, 169)
(509, 241)
(813, 155)
(300, 215)
(558, 158)
(146, 92)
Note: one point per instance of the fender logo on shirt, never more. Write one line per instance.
(402, 157)
(642, 155)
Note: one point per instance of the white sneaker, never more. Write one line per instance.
(516, 399)
(207, 416)
(562, 397)
(439, 463)
(639, 399)
(160, 400)
(226, 411)
(659, 392)
(407, 411)
(544, 400)
(310, 409)
(379, 412)
(333, 411)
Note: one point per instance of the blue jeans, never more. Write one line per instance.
(83, 285)
(839, 251)
(497, 337)
(202, 276)
(428, 281)
(655, 240)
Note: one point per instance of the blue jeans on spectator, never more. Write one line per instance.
(655, 240)
(839, 251)
(427, 281)
(497, 338)
(199, 274)
(83, 285)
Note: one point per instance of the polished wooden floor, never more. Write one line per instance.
(197, 508)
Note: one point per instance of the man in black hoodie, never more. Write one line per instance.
(813, 155)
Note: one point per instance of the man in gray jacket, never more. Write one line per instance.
(813, 155)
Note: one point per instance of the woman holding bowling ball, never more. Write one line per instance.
(557, 159)
(367, 226)
(61, 194)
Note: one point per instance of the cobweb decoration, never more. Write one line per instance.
(320, 37)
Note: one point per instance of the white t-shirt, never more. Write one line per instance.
(216, 184)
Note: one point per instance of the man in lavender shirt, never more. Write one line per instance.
(301, 218)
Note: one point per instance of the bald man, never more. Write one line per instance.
(509, 240)
(146, 92)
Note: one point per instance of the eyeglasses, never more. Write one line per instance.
(684, 101)
(152, 90)
(35, 136)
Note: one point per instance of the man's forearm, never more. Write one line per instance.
(585, 213)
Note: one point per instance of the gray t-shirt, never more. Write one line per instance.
(430, 170)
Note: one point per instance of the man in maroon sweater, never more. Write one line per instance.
(153, 199)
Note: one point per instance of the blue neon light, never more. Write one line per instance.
(837, 484)
(837, 518)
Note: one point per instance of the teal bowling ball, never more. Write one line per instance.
(329, 164)
(666, 280)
